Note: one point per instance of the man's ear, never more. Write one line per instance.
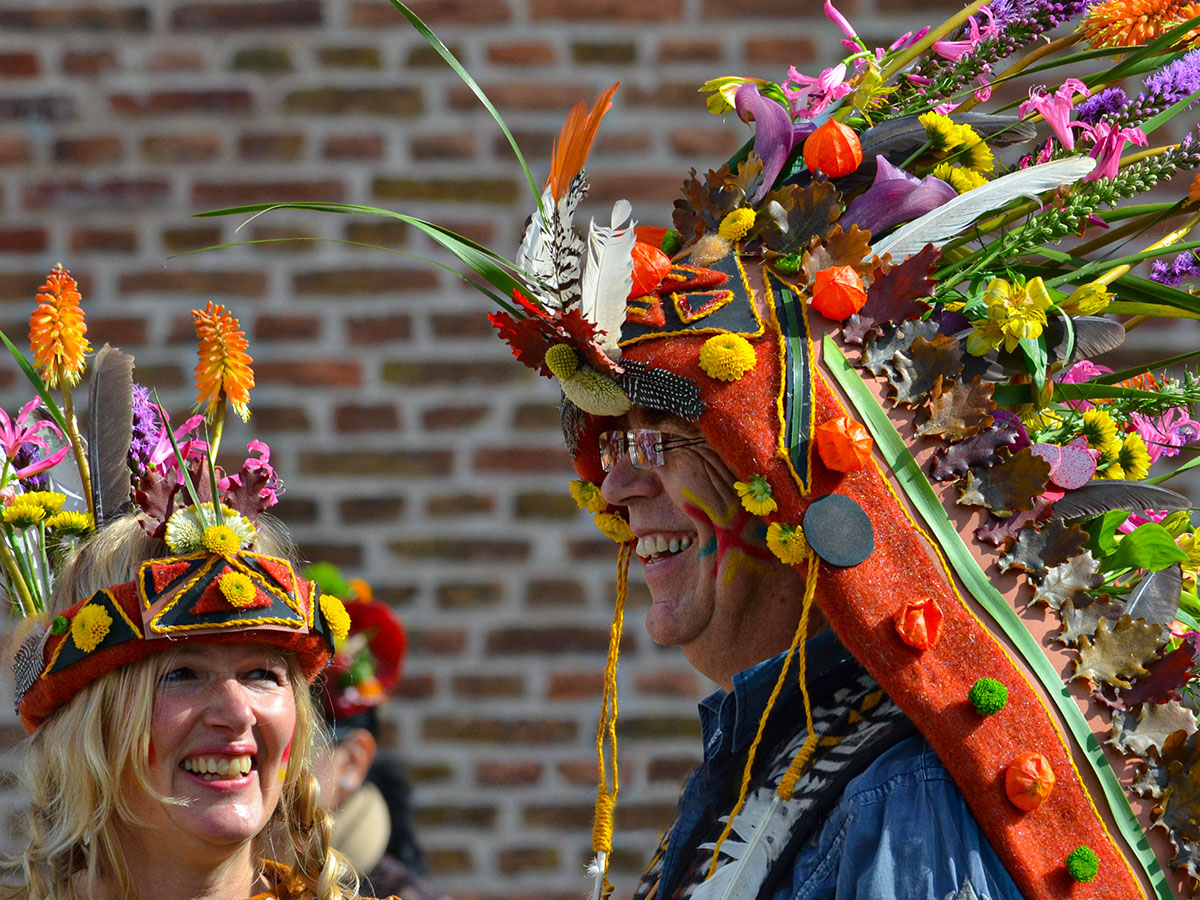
(352, 759)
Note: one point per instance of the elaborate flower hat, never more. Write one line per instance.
(212, 586)
(368, 662)
(885, 242)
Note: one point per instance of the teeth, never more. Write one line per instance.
(684, 543)
(661, 544)
(218, 766)
(657, 545)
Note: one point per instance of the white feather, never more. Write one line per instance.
(595, 871)
(951, 218)
(758, 836)
(608, 275)
(533, 255)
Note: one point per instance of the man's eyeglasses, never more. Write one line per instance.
(643, 446)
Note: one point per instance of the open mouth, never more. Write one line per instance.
(652, 548)
(218, 768)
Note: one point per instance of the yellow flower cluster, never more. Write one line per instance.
(614, 527)
(959, 178)
(220, 539)
(50, 501)
(788, 543)
(23, 513)
(1132, 459)
(70, 523)
(948, 138)
(736, 224)
(90, 626)
(238, 589)
(757, 498)
(726, 357)
(1014, 311)
(587, 496)
(334, 611)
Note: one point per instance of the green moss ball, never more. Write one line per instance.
(988, 696)
(1083, 864)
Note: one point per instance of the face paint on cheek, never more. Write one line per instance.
(730, 545)
(287, 754)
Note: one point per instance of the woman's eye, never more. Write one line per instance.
(180, 673)
(273, 676)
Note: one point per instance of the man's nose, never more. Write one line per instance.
(625, 482)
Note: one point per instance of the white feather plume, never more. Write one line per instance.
(758, 837)
(949, 219)
(608, 275)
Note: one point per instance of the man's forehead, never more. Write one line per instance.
(641, 417)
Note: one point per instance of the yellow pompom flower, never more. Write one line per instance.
(334, 611)
(562, 361)
(962, 180)
(1133, 457)
(756, 495)
(614, 527)
(22, 513)
(788, 543)
(56, 330)
(50, 501)
(220, 539)
(726, 357)
(70, 523)
(238, 589)
(736, 224)
(943, 135)
(1099, 429)
(587, 496)
(224, 367)
(977, 155)
(90, 626)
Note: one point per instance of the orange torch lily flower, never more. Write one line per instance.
(224, 369)
(56, 330)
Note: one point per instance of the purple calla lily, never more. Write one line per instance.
(895, 197)
(775, 136)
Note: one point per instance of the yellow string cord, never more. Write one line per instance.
(797, 641)
(606, 733)
(787, 784)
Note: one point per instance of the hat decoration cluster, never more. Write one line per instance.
(61, 483)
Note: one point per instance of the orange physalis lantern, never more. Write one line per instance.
(838, 293)
(919, 622)
(650, 267)
(1028, 781)
(833, 149)
(843, 444)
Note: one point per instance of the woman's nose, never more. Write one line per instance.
(230, 705)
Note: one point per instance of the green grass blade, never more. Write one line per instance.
(927, 504)
(35, 380)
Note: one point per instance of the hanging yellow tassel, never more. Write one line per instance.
(606, 735)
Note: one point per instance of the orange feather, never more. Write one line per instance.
(575, 142)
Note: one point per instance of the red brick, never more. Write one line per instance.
(104, 240)
(272, 14)
(466, 595)
(437, 641)
(378, 232)
(698, 142)
(120, 331)
(202, 102)
(353, 146)
(181, 148)
(549, 640)
(174, 59)
(287, 328)
(89, 63)
(690, 50)
(48, 108)
(177, 240)
(520, 860)
(367, 330)
(605, 53)
(361, 463)
(212, 194)
(310, 373)
(461, 549)
(507, 774)
(196, 283)
(790, 50)
(575, 685)
(444, 146)
(361, 57)
(366, 14)
(491, 686)
(545, 460)
(545, 505)
(14, 150)
(658, 727)
(459, 504)
(494, 191)
(537, 417)
(281, 239)
(79, 17)
(462, 325)
(416, 687)
(349, 555)
(358, 417)
(19, 65)
(614, 143)
(108, 195)
(521, 53)
(370, 509)
(383, 283)
(443, 417)
(649, 189)
(453, 816)
(668, 683)
(556, 592)
(578, 771)
(332, 101)
(22, 240)
(605, 10)
(448, 861)
(282, 418)
(166, 376)
(262, 60)
(89, 151)
(513, 732)
(672, 769)
(271, 147)
(527, 95)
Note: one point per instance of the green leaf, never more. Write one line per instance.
(1098, 267)
(1143, 290)
(1034, 351)
(1148, 547)
(1178, 470)
(927, 504)
(35, 380)
(1102, 530)
(1150, 310)
(1133, 372)
(1167, 114)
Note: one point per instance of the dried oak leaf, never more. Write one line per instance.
(839, 248)
(1064, 582)
(1082, 621)
(1115, 656)
(879, 352)
(1039, 549)
(926, 365)
(960, 410)
(895, 295)
(704, 204)
(1168, 674)
(1174, 780)
(799, 214)
(1150, 727)
(978, 452)
(748, 178)
(1011, 487)
(1002, 532)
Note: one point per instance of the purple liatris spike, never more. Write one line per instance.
(1166, 87)
(1173, 273)
(1108, 104)
(27, 455)
(145, 430)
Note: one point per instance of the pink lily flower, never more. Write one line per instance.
(907, 39)
(272, 488)
(818, 93)
(163, 454)
(841, 22)
(1110, 141)
(13, 434)
(41, 465)
(1150, 515)
(1056, 108)
(956, 50)
(1167, 433)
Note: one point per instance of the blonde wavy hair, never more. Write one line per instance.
(82, 760)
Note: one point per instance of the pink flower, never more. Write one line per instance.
(163, 454)
(907, 39)
(1134, 520)
(1110, 141)
(817, 93)
(1084, 370)
(272, 486)
(956, 50)
(1056, 108)
(13, 434)
(841, 22)
(1166, 434)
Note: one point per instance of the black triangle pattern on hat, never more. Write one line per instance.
(797, 377)
(177, 615)
(681, 314)
(120, 630)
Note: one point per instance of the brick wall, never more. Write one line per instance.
(416, 452)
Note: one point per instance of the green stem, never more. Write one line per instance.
(1024, 62)
(72, 427)
(934, 35)
(218, 427)
(17, 581)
